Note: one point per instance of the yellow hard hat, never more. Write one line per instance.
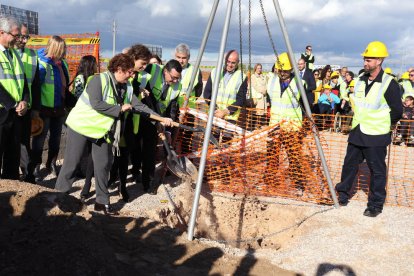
(388, 70)
(352, 83)
(405, 76)
(283, 62)
(327, 86)
(37, 126)
(375, 49)
(334, 74)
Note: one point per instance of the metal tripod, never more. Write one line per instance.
(219, 64)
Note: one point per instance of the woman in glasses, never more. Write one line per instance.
(97, 118)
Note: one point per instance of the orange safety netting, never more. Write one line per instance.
(78, 45)
(257, 159)
(399, 160)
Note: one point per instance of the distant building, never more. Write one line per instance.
(23, 16)
(155, 49)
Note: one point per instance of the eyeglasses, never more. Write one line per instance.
(174, 78)
(15, 36)
(231, 62)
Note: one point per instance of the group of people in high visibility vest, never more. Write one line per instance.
(113, 110)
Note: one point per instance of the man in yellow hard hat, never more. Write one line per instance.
(377, 107)
(286, 111)
(408, 85)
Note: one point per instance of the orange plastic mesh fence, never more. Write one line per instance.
(282, 160)
(399, 160)
(257, 159)
(78, 45)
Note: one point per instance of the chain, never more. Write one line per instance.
(241, 39)
(268, 29)
(250, 48)
(275, 52)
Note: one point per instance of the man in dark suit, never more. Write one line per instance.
(307, 75)
(14, 95)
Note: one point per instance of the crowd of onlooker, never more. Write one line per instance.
(328, 91)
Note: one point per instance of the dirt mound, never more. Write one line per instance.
(43, 232)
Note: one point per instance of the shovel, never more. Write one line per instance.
(175, 124)
(193, 129)
(173, 163)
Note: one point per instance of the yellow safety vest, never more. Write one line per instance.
(227, 94)
(408, 89)
(87, 121)
(48, 87)
(156, 83)
(185, 84)
(143, 78)
(12, 75)
(371, 112)
(29, 59)
(285, 108)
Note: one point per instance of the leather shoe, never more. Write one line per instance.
(343, 202)
(372, 212)
(106, 209)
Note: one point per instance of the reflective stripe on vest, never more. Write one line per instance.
(48, 86)
(172, 94)
(12, 75)
(29, 59)
(142, 78)
(284, 107)
(136, 119)
(371, 111)
(227, 95)
(156, 81)
(185, 83)
(87, 121)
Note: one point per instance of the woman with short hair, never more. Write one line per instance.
(96, 118)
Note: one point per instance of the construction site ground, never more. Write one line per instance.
(45, 233)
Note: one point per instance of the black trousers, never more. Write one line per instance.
(149, 150)
(375, 157)
(10, 138)
(25, 142)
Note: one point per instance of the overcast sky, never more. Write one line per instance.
(338, 30)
